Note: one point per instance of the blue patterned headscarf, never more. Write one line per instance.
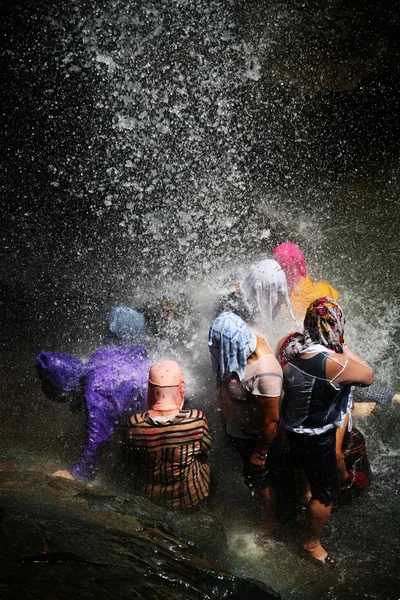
(127, 326)
(231, 342)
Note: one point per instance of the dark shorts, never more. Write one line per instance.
(316, 455)
(262, 478)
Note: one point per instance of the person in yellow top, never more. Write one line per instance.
(302, 289)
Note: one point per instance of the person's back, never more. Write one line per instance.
(118, 374)
(166, 446)
(169, 457)
(110, 387)
(312, 403)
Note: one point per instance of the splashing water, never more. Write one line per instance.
(161, 147)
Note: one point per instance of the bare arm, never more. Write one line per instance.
(269, 409)
(340, 433)
(350, 354)
(342, 369)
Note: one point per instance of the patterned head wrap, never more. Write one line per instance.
(166, 386)
(323, 324)
(292, 261)
(127, 326)
(231, 342)
(266, 285)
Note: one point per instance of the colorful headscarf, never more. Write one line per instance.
(292, 261)
(166, 386)
(266, 284)
(231, 342)
(323, 324)
(127, 326)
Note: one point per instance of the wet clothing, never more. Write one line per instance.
(312, 404)
(60, 375)
(231, 342)
(262, 377)
(112, 385)
(169, 457)
(357, 465)
(312, 408)
(266, 287)
(306, 291)
(316, 455)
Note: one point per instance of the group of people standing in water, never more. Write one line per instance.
(293, 401)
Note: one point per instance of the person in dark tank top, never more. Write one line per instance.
(317, 377)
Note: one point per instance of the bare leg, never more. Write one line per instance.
(268, 512)
(303, 487)
(317, 518)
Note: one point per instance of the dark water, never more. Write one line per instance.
(160, 147)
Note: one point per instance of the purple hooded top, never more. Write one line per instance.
(113, 386)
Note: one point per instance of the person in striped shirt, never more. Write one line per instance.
(167, 446)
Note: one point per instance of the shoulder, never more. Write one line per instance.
(137, 420)
(268, 363)
(194, 414)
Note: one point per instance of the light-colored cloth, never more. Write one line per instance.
(292, 261)
(166, 386)
(230, 342)
(266, 285)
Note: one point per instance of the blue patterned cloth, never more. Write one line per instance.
(231, 342)
(127, 325)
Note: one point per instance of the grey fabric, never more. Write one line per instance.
(374, 393)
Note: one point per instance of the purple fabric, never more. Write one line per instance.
(60, 374)
(115, 387)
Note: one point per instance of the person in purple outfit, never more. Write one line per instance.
(111, 385)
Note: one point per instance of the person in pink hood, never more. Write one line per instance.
(168, 446)
(302, 290)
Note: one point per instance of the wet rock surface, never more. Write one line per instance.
(60, 539)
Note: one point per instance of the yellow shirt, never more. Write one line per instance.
(306, 291)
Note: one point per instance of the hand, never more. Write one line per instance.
(363, 409)
(256, 462)
(396, 398)
(65, 474)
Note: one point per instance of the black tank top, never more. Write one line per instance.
(311, 402)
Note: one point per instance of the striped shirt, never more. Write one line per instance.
(169, 457)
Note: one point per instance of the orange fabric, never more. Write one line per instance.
(306, 291)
